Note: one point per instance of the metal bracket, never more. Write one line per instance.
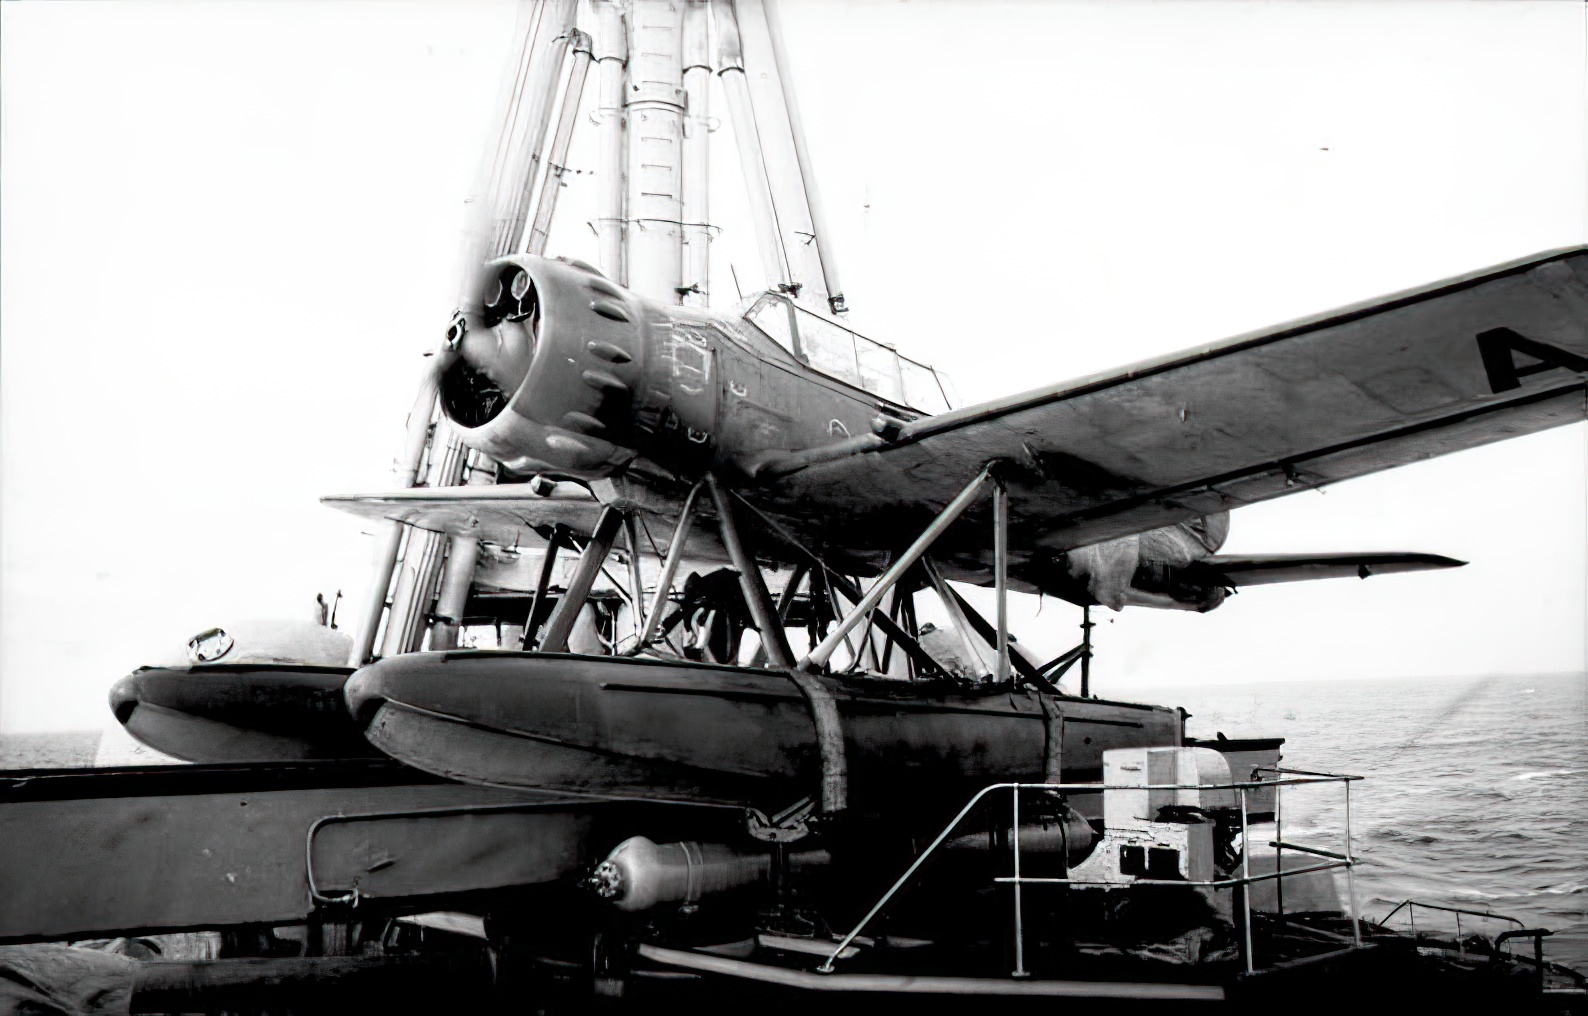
(787, 826)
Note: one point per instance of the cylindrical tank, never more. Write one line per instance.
(1072, 835)
(639, 873)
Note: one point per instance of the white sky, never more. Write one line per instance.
(229, 230)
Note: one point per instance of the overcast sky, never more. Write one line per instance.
(229, 231)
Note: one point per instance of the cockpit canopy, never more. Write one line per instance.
(838, 351)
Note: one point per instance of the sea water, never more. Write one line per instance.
(1475, 792)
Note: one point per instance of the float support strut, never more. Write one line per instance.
(537, 603)
(755, 595)
(560, 625)
(675, 553)
(896, 571)
(824, 710)
(631, 532)
(835, 583)
(785, 602)
(977, 637)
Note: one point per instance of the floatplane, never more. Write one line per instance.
(641, 701)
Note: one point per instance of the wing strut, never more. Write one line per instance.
(560, 624)
(873, 596)
(755, 594)
(905, 640)
(664, 584)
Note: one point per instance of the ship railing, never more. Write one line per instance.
(1411, 907)
(1328, 860)
(1520, 931)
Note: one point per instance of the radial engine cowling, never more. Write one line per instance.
(560, 370)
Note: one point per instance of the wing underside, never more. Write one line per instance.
(508, 515)
(511, 515)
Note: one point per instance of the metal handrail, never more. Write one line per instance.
(1408, 904)
(1344, 860)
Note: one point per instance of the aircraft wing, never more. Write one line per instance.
(1486, 356)
(1264, 569)
(511, 515)
(508, 515)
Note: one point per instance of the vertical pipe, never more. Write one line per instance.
(1001, 575)
(418, 435)
(1350, 872)
(1020, 931)
(675, 553)
(775, 139)
(490, 195)
(747, 140)
(696, 284)
(631, 530)
(421, 556)
(654, 115)
(416, 586)
(813, 199)
(457, 578)
(375, 601)
(455, 583)
(1279, 850)
(557, 158)
(756, 597)
(1086, 652)
(560, 625)
(1246, 882)
(511, 203)
(611, 53)
(526, 34)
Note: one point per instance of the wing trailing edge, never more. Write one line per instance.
(1239, 571)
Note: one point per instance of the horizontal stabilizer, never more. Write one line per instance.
(1265, 569)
